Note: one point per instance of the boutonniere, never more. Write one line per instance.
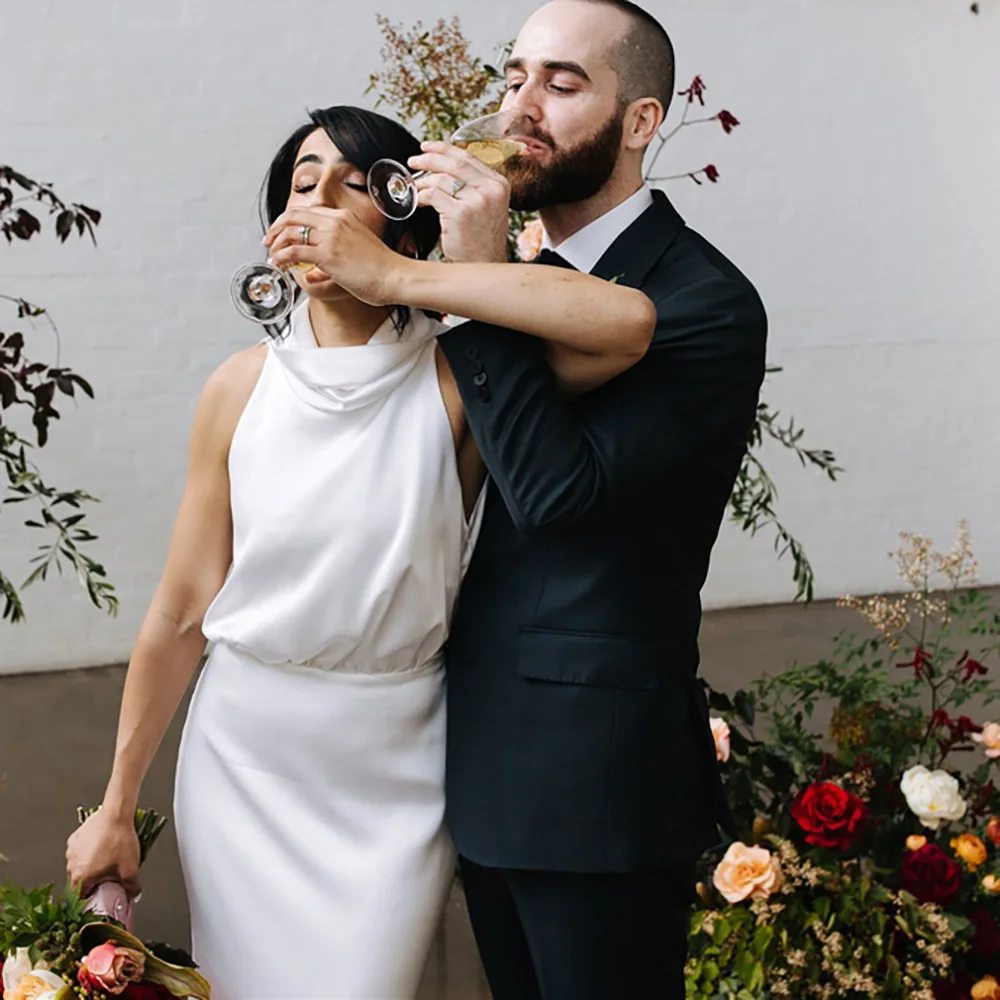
(616, 278)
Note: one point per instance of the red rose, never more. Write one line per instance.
(830, 816)
(930, 875)
(986, 939)
(958, 988)
(146, 991)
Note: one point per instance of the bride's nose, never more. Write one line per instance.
(328, 191)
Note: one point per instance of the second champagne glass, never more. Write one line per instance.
(491, 139)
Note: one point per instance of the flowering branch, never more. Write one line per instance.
(728, 121)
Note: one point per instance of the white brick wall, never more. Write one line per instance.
(860, 194)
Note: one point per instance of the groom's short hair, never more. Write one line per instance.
(643, 57)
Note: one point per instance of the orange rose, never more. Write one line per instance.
(970, 849)
(993, 831)
(915, 842)
(747, 872)
(986, 989)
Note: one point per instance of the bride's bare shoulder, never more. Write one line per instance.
(228, 389)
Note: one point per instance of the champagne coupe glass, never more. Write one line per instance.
(262, 292)
(491, 139)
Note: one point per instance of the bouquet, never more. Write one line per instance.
(73, 947)
(869, 858)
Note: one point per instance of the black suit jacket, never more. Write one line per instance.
(578, 735)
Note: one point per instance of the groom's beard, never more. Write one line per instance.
(574, 174)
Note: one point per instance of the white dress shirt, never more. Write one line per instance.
(587, 246)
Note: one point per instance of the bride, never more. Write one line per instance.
(330, 507)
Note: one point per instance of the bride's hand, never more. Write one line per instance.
(342, 248)
(104, 849)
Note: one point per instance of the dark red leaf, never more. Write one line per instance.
(64, 225)
(83, 384)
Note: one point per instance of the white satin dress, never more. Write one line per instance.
(309, 798)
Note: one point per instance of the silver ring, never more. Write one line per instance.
(457, 186)
(304, 233)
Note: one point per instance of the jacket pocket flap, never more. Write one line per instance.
(589, 658)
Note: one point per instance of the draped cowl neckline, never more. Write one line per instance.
(348, 378)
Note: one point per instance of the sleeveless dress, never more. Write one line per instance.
(309, 798)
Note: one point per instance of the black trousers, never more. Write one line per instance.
(566, 936)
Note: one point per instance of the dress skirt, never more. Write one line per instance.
(310, 819)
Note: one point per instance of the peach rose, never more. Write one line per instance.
(986, 989)
(529, 240)
(747, 873)
(110, 968)
(970, 849)
(720, 731)
(992, 884)
(915, 842)
(990, 738)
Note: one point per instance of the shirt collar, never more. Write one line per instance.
(586, 247)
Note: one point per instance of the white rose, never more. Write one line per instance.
(16, 967)
(932, 795)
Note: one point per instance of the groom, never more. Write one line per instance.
(582, 782)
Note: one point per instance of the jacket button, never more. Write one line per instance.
(471, 353)
(480, 379)
(482, 394)
(475, 367)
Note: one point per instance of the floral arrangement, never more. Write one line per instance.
(71, 948)
(869, 861)
(432, 81)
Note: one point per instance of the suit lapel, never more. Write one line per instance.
(635, 253)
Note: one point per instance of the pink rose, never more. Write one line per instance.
(111, 968)
(747, 873)
(990, 738)
(529, 240)
(720, 730)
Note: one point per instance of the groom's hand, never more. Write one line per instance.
(472, 200)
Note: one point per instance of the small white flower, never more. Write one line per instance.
(933, 796)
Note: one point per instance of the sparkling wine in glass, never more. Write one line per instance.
(491, 139)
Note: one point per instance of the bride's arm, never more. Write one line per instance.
(599, 328)
(170, 643)
(566, 307)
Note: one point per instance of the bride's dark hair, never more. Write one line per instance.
(362, 137)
